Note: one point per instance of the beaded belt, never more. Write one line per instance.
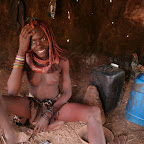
(45, 102)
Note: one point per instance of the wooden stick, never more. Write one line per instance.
(3, 139)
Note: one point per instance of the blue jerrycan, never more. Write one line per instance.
(135, 107)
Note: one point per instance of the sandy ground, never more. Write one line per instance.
(67, 134)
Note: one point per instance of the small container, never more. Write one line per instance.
(109, 81)
(135, 107)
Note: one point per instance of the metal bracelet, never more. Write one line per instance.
(49, 110)
(45, 117)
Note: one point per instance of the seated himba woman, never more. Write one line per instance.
(43, 62)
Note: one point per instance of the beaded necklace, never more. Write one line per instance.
(31, 60)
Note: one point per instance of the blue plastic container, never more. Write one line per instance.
(135, 108)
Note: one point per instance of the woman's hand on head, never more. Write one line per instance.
(24, 38)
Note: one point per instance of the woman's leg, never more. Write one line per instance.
(6, 127)
(90, 114)
(16, 105)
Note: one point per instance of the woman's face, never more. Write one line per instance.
(39, 43)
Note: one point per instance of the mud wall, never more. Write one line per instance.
(102, 26)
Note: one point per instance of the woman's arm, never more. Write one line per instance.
(66, 84)
(15, 79)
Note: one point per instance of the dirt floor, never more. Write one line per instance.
(67, 134)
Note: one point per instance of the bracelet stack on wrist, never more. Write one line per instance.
(45, 116)
(19, 62)
(51, 111)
